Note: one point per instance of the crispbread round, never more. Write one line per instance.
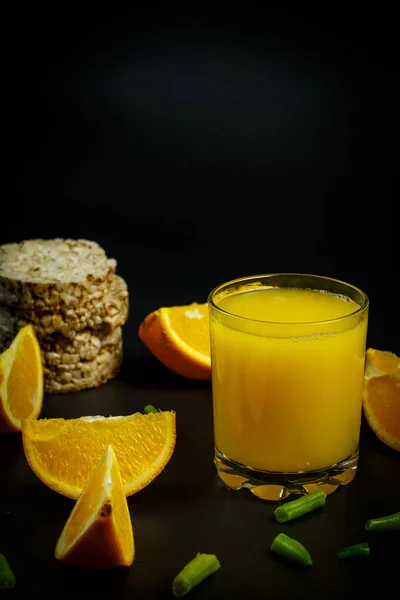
(101, 370)
(52, 274)
(86, 346)
(69, 292)
(57, 349)
(54, 261)
(110, 310)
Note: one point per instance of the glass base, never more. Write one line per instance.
(270, 485)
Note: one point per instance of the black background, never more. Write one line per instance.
(196, 150)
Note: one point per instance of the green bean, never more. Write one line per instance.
(194, 573)
(356, 551)
(7, 577)
(301, 506)
(149, 408)
(387, 523)
(291, 549)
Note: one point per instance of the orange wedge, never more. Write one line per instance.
(179, 337)
(21, 380)
(63, 453)
(381, 400)
(98, 533)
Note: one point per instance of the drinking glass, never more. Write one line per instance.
(287, 355)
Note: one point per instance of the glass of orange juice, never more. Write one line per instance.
(287, 356)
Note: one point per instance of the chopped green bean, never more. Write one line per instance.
(149, 408)
(7, 577)
(194, 572)
(301, 506)
(387, 523)
(356, 551)
(291, 549)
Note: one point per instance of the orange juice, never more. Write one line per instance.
(288, 368)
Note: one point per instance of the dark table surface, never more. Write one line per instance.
(186, 510)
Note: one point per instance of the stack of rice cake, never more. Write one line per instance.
(68, 290)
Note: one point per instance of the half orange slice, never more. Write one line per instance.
(98, 533)
(179, 336)
(21, 380)
(381, 399)
(63, 453)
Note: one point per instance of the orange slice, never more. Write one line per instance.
(98, 533)
(381, 400)
(21, 380)
(179, 337)
(64, 452)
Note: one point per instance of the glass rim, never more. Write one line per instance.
(249, 278)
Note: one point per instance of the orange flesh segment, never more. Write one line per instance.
(93, 442)
(385, 362)
(191, 324)
(87, 505)
(22, 378)
(120, 510)
(383, 397)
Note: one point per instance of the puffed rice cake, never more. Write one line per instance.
(53, 274)
(85, 347)
(111, 309)
(88, 360)
(85, 374)
(68, 290)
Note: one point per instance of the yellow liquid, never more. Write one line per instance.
(287, 393)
